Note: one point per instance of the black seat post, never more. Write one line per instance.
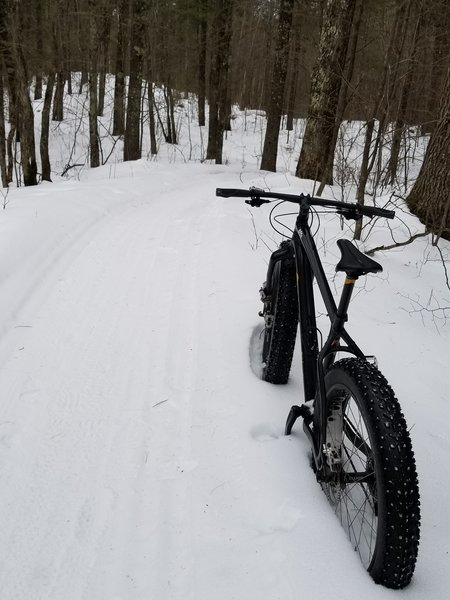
(342, 310)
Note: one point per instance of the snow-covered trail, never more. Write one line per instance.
(139, 455)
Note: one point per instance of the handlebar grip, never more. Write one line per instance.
(373, 211)
(231, 192)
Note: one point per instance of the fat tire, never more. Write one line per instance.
(279, 338)
(396, 486)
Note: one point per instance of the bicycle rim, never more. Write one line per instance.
(353, 493)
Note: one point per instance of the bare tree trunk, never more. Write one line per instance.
(172, 123)
(218, 82)
(105, 27)
(278, 80)
(27, 141)
(119, 85)
(94, 147)
(170, 134)
(131, 147)
(3, 169)
(83, 80)
(381, 106)
(101, 91)
(21, 110)
(7, 57)
(403, 104)
(58, 61)
(26, 121)
(10, 152)
(439, 62)
(58, 100)
(295, 37)
(151, 114)
(325, 88)
(39, 48)
(224, 104)
(429, 198)
(38, 86)
(202, 30)
(45, 125)
(355, 23)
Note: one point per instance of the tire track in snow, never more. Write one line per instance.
(126, 457)
(159, 531)
(91, 361)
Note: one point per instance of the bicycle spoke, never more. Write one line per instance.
(355, 502)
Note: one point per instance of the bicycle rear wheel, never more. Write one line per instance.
(281, 321)
(372, 481)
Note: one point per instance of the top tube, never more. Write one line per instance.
(347, 209)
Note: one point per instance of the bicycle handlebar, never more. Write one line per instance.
(347, 209)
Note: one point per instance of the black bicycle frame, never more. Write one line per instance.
(316, 362)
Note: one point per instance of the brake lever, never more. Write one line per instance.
(255, 199)
(351, 214)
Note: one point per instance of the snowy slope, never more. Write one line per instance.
(140, 455)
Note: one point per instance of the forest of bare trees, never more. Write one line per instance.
(384, 63)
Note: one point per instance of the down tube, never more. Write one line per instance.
(307, 319)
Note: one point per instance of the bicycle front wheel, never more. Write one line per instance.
(281, 322)
(372, 481)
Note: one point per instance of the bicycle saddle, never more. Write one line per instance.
(353, 262)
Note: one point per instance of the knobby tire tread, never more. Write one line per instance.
(280, 338)
(396, 549)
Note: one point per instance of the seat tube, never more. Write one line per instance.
(338, 323)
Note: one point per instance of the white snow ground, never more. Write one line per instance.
(140, 455)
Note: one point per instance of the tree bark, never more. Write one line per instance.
(94, 147)
(429, 198)
(218, 82)
(325, 88)
(27, 141)
(119, 85)
(440, 60)
(381, 106)
(278, 80)
(151, 120)
(58, 61)
(45, 125)
(39, 49)
(21, 110)
(104, 33)
(403, 103)
(3, 169)
(296, 44)
(58, 100)
(131, 147)
(202, 30)
(354, 25)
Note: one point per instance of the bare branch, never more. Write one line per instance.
(414, 237)
(444, 266)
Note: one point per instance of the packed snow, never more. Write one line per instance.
(141, 456)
